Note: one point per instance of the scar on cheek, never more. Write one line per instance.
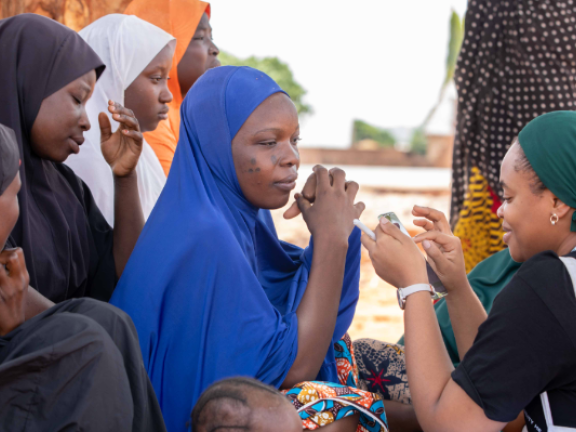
(253, 161)
(250, 170)
(273, 159)
(257, 169)
(254, 170)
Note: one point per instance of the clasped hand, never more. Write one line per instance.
(14, 281)
(327, 204)
(121, 149)
(397, 259)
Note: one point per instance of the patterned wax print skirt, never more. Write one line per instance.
(322, 403)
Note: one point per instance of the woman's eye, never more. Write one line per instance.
(296, 140)
(77, 100)
(506, 199)
(199, 38)
(269, 143)
(156, 79)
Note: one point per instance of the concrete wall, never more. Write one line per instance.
(384, 157)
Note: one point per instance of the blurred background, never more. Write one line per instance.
(372, 81)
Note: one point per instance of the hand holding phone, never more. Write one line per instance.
(433, 278)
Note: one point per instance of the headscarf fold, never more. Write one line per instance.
(127, 45)
(212, 290)
(180, 18)
(9, 157)
(40, 56)
(549, 142)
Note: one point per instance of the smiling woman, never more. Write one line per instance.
(139, 56)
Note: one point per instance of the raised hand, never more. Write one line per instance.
(308, 192)
(14, 281)
(122, 148)
(331, 212)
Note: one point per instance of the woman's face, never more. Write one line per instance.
(9, 210)
(526, 215)
(148, 95)
(265, 154)
(200, 56)
(61, 122)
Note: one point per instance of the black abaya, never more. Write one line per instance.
(66, 240)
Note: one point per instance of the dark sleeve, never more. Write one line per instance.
(102, 277)
(518, 351)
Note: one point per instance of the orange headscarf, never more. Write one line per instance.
(180, 18)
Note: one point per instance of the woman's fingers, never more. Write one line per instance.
(388, 228)
(368, 243)
(105, 127)
(426, 224)
(134, 134)
(352, 190)
(446, 241)
(126, 122)
(123, 115)
(303, 203)
(293, 211)
(359, 206)
(322, 177)
(433, 215)
(309, 189)
(338, 178)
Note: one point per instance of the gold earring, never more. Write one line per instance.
(554, 219)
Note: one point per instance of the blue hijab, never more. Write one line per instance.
(212, 290)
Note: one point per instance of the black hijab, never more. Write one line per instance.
(39, 56)
(9, 157)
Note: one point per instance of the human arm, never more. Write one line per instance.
(122, 150)
(466, 400)
(329, 220)
(446, 258)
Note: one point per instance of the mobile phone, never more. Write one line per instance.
(433, 278)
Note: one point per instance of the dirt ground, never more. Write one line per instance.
(377, 315)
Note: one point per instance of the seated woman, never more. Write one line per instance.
(212, 290)
(62, 369)
(189, 22)
(523, 355)
(138, 57)
(48, 73)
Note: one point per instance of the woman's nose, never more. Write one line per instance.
(290, 155)
(165, 95)
(84, 121)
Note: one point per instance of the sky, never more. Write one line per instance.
(381, 61)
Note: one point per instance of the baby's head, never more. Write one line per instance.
(244, 405)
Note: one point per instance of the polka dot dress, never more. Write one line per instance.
(518, 61)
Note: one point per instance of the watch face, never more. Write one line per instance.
(400, 299)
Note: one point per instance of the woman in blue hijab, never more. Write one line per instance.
(212, 290)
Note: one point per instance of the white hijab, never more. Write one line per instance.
(126, 44)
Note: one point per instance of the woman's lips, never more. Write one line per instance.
(74, 145)
(506, 236)
(285, 186)
(288, 183)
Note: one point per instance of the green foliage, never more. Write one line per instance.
(278, 71)
(363, 130)
(418, 143)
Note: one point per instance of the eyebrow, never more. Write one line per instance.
(274, 130)
(85, 87)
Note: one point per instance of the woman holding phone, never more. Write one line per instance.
(522, 357)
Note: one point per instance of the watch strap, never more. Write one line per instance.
(415, 288)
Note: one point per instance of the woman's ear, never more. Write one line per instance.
(560, 209)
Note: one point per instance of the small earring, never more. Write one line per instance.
(554, 219)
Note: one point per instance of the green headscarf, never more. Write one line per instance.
(549, 142)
